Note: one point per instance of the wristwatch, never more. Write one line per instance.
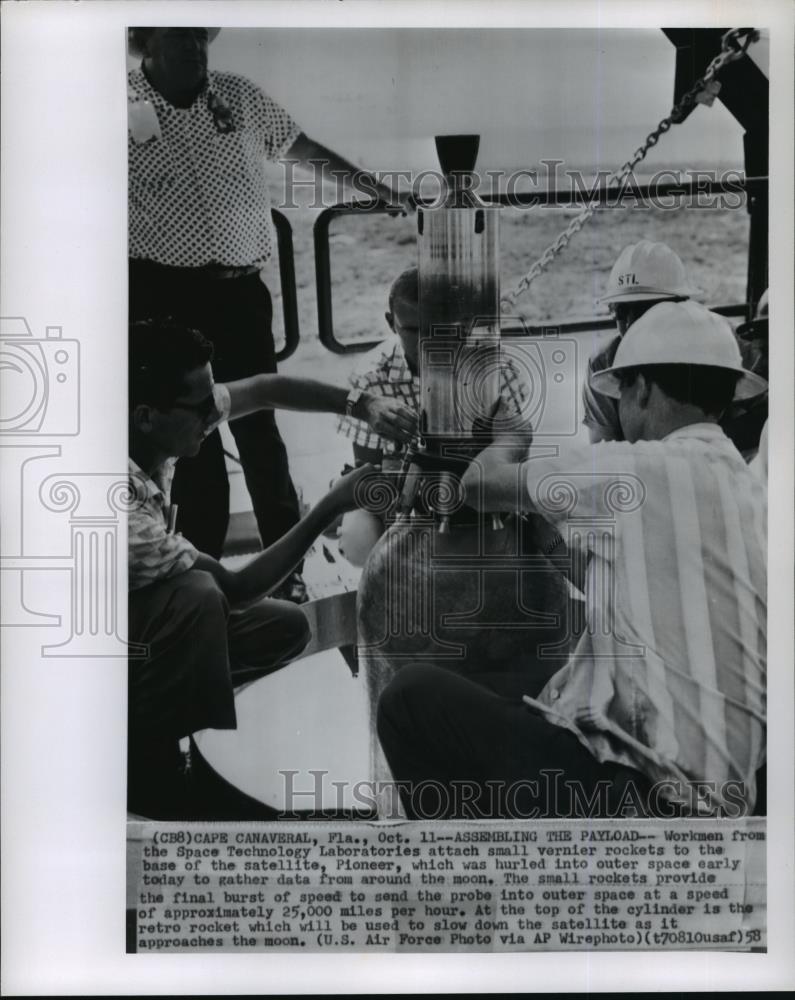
(353, 398)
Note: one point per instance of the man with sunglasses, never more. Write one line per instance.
(644, 274)
(206, 629)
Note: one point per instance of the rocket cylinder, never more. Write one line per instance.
(459, 345)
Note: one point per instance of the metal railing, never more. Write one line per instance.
(754, 189)
(284, 241)
(323, 274)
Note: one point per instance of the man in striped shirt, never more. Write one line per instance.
(661, 708)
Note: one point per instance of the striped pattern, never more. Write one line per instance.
(385, 372)
(676, 685)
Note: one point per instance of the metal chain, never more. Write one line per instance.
(734, 45)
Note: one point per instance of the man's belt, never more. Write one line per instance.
(217, 272)
(211, 272)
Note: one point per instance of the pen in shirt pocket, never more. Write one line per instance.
(172, 518)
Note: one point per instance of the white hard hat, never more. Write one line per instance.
(646, 271)
(679, 333)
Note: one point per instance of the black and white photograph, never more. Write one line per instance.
(416, 609)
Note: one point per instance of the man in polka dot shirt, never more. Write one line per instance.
(200, 231)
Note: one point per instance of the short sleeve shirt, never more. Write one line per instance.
(669, 677)
(198, 192)
(384, 371)
(154, 552)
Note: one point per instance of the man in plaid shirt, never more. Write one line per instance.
(392, 370)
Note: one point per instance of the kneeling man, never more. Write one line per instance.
(661, 708)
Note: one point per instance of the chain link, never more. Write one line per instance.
(734, 45)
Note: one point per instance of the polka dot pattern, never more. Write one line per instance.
(197, 188)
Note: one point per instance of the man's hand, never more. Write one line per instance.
(348, 492)
(503, 425)
(407, 202)
(264, 571)
(387, 417)
(397, 202)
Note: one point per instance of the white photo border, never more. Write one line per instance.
(64, 237)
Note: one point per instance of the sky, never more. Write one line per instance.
(588, 97)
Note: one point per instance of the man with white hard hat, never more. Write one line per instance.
(661, 708)
(644, 274)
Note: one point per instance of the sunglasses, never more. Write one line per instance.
(203, 409)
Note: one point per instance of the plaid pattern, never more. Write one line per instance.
(153, 552)
(385, 372)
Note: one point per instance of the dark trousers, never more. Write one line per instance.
(461, 751)
(199, 652)
(235, 315)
